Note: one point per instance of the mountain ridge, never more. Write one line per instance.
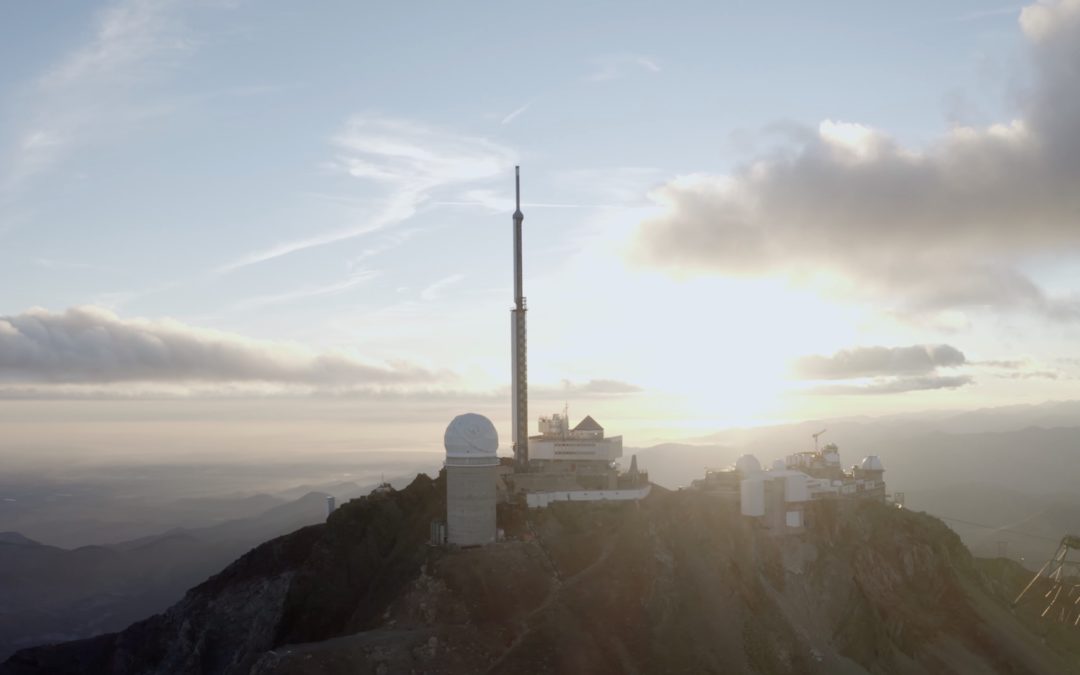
(677, 583)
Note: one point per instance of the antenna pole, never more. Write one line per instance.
(519, 298)
(519, 369)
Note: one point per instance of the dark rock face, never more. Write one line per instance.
(49, 594)
(313, 584)
(677, 584)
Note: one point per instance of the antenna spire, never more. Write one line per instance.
(519, 358)
(517, 191)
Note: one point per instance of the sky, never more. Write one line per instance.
(248, 214)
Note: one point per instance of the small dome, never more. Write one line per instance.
(471, 435)
(747, 464)
(872, 463)
(779, 465)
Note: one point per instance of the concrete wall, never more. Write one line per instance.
(470, 504)
(607, 449)
(547, 480)
(542, 499)
(752, 497)
(796, 488)
(775, 507)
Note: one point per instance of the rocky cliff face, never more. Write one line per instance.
(678, 583)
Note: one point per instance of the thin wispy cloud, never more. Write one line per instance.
(898, 385)
(386, 242)
(599, 387)
(132, 37)
(514, 114)
(614, 66)
(354, 280)
(502, 201)
(1018, 369)
(51, 264)
(436, 290)
(1010, 10)
(397, 208)
(87, 93)
(409, 162)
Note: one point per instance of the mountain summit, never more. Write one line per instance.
(677, 583)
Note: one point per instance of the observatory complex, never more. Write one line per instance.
(777, 498)
(564, 463)
(560, 463)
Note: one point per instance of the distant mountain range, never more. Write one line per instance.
(51, 594)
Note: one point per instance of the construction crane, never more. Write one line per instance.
(816, 437)
(1062, 575)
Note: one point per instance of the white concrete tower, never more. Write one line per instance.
(471, 443)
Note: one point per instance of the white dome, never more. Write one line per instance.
(872, 463)
(747, 464)
(471, 435)
(779, 465)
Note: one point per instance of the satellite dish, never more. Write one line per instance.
(471, 435)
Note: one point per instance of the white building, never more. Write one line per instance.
(575, 465)
(584, 443)
(471, 463)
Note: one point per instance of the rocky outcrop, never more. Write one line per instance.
(679, 583)
(316, 583)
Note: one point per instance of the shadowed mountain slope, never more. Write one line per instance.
(678, 583)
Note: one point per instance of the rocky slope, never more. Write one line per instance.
(678, 583)
(49, 594)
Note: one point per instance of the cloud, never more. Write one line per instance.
(878, 361)
(949, 226)
(409, 161)
(514, 114)
(435, 290)
(1030, 375)
(614, 66)
(884, 370)
(87, 93)
(354, 279)
(897, 385)
(1016, 369)
(503, 202)
(1006, 364)
(597, 388)
(1008, 10)
(600, 387)
(93, 346)
(131, 36)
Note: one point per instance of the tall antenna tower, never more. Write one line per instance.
(519, 369)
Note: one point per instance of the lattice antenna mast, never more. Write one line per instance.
(1061, 576)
